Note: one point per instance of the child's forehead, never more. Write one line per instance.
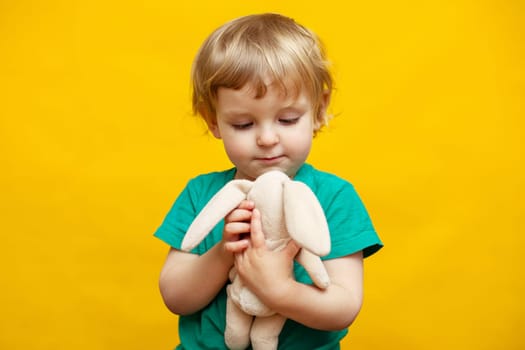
(275, 89)
(283, 87)
(259, 86)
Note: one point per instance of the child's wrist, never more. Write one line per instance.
(279, 294)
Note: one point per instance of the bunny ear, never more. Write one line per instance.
(305, 219)
(217, 208)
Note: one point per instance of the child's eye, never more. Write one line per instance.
(242, 126)
(289, 121)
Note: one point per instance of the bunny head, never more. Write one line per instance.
(287, 208)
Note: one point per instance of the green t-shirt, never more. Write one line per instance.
(350, 230)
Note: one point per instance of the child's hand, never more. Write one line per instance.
(236, 231)
(263, 271)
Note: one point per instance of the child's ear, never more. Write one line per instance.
(325, 101)
(214, 129)
(323, 107)
(211, 122)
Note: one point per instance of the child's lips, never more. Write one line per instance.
(270, 160)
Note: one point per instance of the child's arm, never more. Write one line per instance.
(188, 282)
(267, 274)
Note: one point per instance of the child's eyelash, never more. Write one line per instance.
(289, 121)
(242, 126)
(247, 125)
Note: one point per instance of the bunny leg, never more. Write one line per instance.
(265, 332)
(238, 324)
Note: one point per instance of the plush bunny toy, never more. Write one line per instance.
(289, 210)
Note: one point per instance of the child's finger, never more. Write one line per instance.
(292, 249)
(235, 229)
(242, 213)
(236, 246)
(239, 215)
(257, 235)
(246, 204)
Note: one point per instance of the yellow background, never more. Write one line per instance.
(97, 140)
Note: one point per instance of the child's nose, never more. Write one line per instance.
(267, 137)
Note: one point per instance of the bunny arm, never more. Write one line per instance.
(305, 219)
(214, 211)
(315, 268)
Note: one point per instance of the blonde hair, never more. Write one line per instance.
(251, 48)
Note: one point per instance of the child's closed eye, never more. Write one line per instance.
(289, 121)
(242, 126)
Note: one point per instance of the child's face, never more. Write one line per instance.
(273, 132)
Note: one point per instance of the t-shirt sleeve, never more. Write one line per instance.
(351, 229)
(179, 218)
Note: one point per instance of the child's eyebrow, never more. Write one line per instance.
(293, 107)
(297, 103)
(236, 114)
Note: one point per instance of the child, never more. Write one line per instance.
(262, 85)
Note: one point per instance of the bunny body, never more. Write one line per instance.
(289, 210)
